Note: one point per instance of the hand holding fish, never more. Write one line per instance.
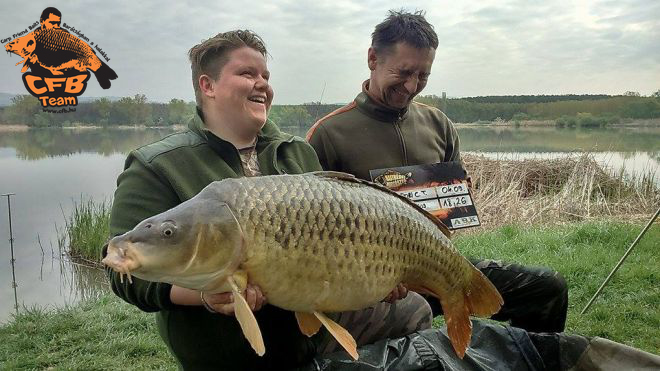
(223, 302)
(399, 292)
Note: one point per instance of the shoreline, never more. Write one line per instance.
(626, 123)
(21, 128)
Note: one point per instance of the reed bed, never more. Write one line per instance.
(542, 191)
(85, 231)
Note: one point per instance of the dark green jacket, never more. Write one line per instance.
(160, 176)
(364, 135)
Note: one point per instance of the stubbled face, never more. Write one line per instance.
(190, 245)
(241, 94)
(22, 46)
(399, 74)
(52, 21)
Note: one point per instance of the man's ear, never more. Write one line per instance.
(372, 59)
(207, 85)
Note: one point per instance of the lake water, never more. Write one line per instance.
(50, 169)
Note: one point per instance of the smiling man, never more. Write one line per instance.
(384, 128)
(230, 137)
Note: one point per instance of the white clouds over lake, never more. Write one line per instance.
(486, 47)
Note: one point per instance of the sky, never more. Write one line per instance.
(318, 49)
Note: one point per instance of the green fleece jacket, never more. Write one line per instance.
(160, 176)
(364, 135)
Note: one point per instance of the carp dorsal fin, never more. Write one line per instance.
(309, 324)
(351, 178)
(343, 337)
(334, 175)
(246, 319)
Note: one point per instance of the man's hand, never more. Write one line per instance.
(399, 292)
(224, 302)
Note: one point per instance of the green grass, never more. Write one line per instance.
(628, 309)
(86, 230)
(107, 333)
(101, 334)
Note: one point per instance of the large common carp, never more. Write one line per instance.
(314, 243)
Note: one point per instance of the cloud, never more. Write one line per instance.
(486, 47)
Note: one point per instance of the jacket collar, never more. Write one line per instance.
(269, 140)
(268, 133)
(376, 110)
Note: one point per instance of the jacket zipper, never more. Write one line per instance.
(401, 141)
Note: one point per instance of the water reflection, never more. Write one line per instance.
(36, 144)
(550, 139)
(60, 281)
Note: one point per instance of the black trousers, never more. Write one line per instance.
(535, 298)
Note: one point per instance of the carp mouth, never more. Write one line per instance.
(121, 262)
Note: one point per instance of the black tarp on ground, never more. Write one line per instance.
(493, 347)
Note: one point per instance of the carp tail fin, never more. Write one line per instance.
(246, 319)
(479, 297)
(104, 74)
(343, 337)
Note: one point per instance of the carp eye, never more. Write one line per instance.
(168, 229)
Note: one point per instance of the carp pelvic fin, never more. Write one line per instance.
(343, 337)
(246, 319)
(309, 324)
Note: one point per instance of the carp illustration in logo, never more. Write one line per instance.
(55, 56)
(393, 179)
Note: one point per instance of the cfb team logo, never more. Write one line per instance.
(59, 62)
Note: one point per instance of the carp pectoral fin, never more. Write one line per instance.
(246, 319)
(25, 67)
(343, 337)
(309, 324)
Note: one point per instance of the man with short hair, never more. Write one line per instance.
(384, 128)
(50, 18)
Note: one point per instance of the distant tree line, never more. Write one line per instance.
(534, 98)
(546, 107)
(26, 110)
(567, 110)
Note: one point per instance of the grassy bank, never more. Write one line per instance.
(107, 333)
(584, 253)
(103, 334)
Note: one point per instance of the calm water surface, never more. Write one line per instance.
(50, 169)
